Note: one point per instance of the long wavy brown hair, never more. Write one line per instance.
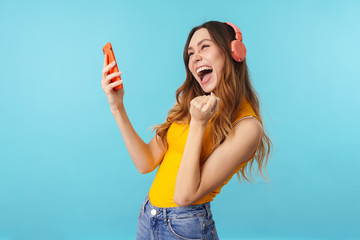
(234, 87)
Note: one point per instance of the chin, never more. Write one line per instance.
(208, 89)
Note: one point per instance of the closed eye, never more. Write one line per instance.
(202, 47)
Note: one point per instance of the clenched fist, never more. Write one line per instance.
(202, 108)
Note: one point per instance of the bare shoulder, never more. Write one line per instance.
(247, 126)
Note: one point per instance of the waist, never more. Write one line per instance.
(176, 212)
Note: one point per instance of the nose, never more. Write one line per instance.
(197, 57)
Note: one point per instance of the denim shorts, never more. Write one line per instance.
(185, 223)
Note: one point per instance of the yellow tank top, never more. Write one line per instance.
(161, 193)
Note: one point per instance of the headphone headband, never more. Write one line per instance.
(237, 31)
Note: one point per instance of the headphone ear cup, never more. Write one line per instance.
(238, 50)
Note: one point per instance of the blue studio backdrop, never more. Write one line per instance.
(65, 173)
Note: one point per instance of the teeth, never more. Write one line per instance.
(203, 68)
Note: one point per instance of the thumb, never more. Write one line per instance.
(213, 95)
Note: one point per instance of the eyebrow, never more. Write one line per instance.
(199, 43)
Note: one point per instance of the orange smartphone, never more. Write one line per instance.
(111, 57)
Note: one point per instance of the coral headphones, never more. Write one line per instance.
(238, 50)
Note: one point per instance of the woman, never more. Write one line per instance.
(213, 131)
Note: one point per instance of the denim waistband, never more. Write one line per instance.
(176, 212)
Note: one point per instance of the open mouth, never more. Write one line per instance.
(204, 73)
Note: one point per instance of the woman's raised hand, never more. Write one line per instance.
(115, 98)
(202, 108)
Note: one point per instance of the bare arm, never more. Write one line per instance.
(194, 181)
(146, 157)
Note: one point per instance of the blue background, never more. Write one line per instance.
(65, 173)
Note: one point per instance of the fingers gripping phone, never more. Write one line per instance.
(111, 57)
